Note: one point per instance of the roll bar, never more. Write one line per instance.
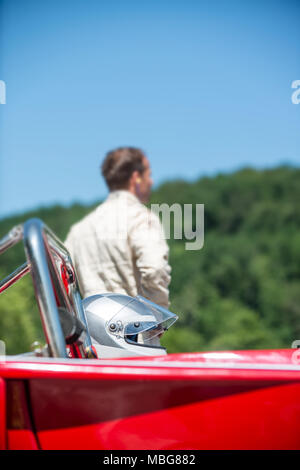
(54, 280)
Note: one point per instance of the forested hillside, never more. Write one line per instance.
(242, 290)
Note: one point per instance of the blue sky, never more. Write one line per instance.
(202, 87)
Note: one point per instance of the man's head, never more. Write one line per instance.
(128, 168)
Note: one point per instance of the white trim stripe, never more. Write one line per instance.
(153, 364)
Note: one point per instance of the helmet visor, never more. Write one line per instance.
(142, 321)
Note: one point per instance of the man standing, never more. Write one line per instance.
(120, 246)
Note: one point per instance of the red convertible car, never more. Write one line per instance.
(102, 381)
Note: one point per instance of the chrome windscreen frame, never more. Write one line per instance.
(46, 258)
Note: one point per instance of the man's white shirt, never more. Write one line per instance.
(120, 247)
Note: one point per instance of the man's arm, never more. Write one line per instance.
(150, 254)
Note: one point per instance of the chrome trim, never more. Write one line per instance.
(14, 277)
(46, 255)
(74, 297)
(14, 236)
(37, 258)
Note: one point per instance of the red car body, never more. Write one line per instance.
(214, 400)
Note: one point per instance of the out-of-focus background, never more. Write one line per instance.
(205, 88)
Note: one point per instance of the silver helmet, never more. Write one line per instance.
(123, 326)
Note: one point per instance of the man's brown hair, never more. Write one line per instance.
(119, 165)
